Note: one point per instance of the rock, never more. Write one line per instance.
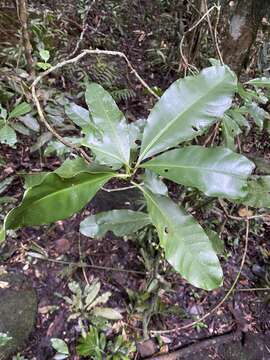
(254, 347)
(18, 309)
(147, 348)
(62, 246)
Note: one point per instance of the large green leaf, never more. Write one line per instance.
(34, 179)
(258, 193)
(112, 146)
(120, 222)
(154, 183)
(187, 109)
(73, 167)
(215, 171)
(186, 245)
(55, 199)
(69, 169)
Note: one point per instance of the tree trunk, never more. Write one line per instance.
(242, 32)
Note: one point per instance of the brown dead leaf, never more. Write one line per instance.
(4, 285)
(244, 212)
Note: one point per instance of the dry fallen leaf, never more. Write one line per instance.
(244, 212)
(4, 285)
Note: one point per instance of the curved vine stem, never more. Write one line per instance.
(73, 61)
(205, 15)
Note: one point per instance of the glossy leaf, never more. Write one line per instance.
(60, 346)
(19, 110)
(7, 135)
(112, 146)
(120, 222)
(187, 109)
(55, 199)
(73, 167)
(31, 180)
(187, 247)
(79, 115)
(258, 193)
(154, 183)
(67, 170)
(215, 171)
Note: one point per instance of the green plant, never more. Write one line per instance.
(8, 123)
(251, 104)
(95, 344)
(4, 339)
(19, 357)
(84, 304)
(92, 344)
(61, 347)
(45, 56)
(120, 349)
(185, 111)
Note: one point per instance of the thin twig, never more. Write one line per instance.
(84, 29)
(187, 65)
(212, 135)
(254, 289)
(216, 36)
(80, 254)
(73, 61)
(155, 332)
(206, 15)
(239, 218)
(118, 189)
(82, 264)
(53, 131)
(214, 33)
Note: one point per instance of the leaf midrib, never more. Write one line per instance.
(194, 168)
(122, 160)
(169, 220)
(63, 190)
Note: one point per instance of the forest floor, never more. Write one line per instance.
(52, 256)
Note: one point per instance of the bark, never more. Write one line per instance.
(242, 32)
(23, 16)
